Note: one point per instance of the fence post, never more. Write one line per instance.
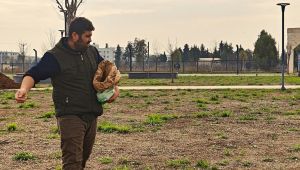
(12, 68)
(156, 64)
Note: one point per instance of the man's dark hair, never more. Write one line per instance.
(80, 25)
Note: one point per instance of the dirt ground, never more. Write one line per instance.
(7, 83)
(227, 129)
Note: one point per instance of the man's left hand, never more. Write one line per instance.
(115, 96)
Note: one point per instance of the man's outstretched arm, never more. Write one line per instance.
(27, 84)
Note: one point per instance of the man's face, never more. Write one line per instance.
(83, 41)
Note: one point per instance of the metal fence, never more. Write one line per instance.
(13, 68)
(217, 66)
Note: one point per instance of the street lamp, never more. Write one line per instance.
(65, 17)
(283, 5)
(61, 33)
(35, 52)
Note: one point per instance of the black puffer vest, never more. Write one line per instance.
(73, 92)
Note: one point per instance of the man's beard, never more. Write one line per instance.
(81, 46)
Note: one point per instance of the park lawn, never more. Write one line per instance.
(211, 81)
(163, 129)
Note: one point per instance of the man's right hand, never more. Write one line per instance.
(21, 95)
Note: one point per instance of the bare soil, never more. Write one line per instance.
(262, 131)
(7, 83)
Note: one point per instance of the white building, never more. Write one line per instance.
(108, 53)
(7, 56)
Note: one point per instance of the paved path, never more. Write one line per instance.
(188, 87)
(207, 87)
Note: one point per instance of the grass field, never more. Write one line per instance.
(212, 81)
(163, 129)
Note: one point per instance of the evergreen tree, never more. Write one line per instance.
(118, 54)
(186, 52)
(265, 51)
(195, 53)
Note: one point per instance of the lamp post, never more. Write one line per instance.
(61, 33)
(65, 17)
(283, 5)
(35, 52)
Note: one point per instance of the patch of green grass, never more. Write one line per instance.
(224, 163)
(214, 98)
(227, 152)
(56, 155)
(296, 148)
(222, 135)
(11, 127)
(126, 94)
(23, 156)
(123, 167)
(178, 163)
(47, 115)
(203, 114)
(58, 167)
(4, 102)
(53, 136)
(225, 113)
(202, 164)
(268, 160)
(158, 119)
(294, 112)
(294, 129)
(27, 105)
(105, 160)
(248, 117)
(202, 101)
(108, 127)
(54, 130)
(246, 164)
(8, 95)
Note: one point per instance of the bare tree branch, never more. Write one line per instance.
(67, 4)
(59, 5)
(80, 2)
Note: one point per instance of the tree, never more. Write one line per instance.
(118, 54)
(128, 54)
(177, 55)
(50, 42)
(140, 49)
(195, 53)
(265, 51)
(163, 57)
(70, 8)
(186, 53)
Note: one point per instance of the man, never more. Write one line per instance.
(71, 65)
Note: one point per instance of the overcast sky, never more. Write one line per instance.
(158, 21)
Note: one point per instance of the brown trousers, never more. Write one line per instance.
(77, 140)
